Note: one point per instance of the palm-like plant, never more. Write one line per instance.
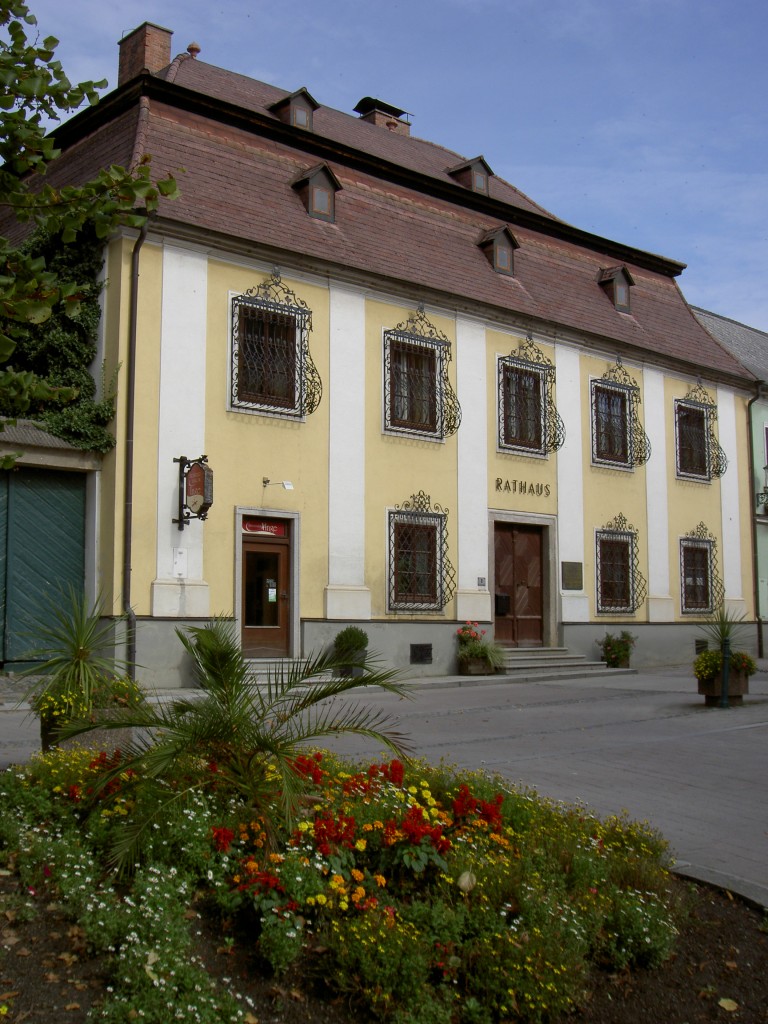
(74, 653)
(243, 736)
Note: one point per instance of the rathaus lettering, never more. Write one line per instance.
(522, 487)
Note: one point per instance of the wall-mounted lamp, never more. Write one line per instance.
(195, 489)
(285, 484)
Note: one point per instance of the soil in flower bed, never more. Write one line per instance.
(719, 972)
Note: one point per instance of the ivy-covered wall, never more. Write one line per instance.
(61, 350)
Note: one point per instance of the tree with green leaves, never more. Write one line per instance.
(34, 90)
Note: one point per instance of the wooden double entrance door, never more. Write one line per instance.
(265, 609)
(518, 595)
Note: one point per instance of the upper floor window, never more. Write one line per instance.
(698, 454)
(529, 422)
(272, 370)
(421, 577)
(498, 246)
(616, 282)
(620, 585)
(611, 424)
(474, 174)
(418, 397)
(297, 109)
(701, 590)
(317, 188)
(618, 438)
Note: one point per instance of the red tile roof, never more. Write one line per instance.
(400, 217)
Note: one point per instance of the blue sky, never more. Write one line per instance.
(644, 122)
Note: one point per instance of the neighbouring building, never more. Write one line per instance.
(750, 346)
(422, 398)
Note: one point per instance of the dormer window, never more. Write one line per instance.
(616, 282)
(317, 189)
(498, 246)
(473, 174)
(296, 109)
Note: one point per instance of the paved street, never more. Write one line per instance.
(642, 743)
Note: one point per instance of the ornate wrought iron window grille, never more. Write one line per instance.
(421, 576)
(418, 397)
(620, 586)
(618, 438)
(272, 370)
(698, 453)
(529, 422)
(701, 588)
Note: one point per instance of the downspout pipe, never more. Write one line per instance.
(130, 399)
(753, 491)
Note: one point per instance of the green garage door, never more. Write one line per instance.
(42, 549)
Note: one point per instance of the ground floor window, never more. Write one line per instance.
(620, 585)
(701, 589)
(421, 577)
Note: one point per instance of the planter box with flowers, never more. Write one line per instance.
(723, 626)
(708, 669)
(616, 650)
(77, 678)
(476, 655)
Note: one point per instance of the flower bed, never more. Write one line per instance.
(426, 895)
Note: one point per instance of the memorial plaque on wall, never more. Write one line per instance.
(573, 575)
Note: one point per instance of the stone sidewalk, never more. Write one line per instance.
(642, 743)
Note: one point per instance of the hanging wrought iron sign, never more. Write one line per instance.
(195, 489)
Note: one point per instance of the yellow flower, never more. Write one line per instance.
(380, 880)
(357, 875)
(367, 827)
(360, 845)
(343, 905)
(321, 899)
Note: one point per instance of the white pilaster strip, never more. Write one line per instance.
(570, 479)
(179, 589)
(661, 606)
(730, 491)
(473, 599)
(346, 596)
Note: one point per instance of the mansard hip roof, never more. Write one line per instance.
(400, 217)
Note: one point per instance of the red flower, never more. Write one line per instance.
(222, 838)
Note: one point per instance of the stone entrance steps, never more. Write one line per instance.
(524, 664)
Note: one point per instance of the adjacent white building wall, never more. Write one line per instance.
(473, 599)
(661, 605)
(346, 596)
(730, 501)
(570, 480)
(179, 589)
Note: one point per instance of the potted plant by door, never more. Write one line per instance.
(724, 626)
(476, 655)
(350, 650)
(616, 650)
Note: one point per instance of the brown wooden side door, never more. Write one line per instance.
(266, 599)
(518, 598)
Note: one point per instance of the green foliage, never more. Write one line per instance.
(724, 625)
(616, 649)
(75, 659)
(249, 736)
(57, 353)
(350, 640)
(33, 88)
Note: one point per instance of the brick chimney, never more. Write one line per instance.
(383, 114)
(147, 48)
